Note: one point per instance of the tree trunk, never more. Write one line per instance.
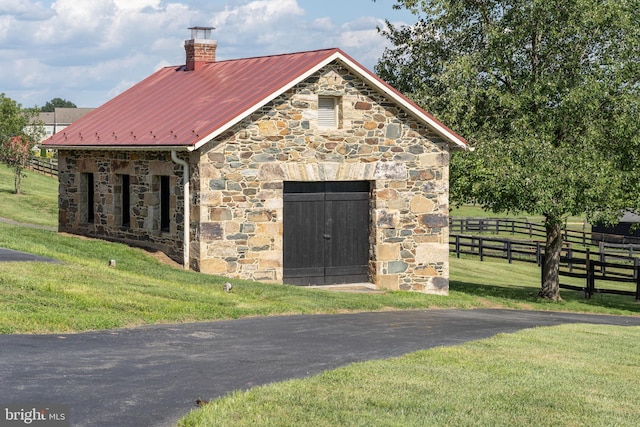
(17, 179)
(553, 247)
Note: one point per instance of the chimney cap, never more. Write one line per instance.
(201, 33)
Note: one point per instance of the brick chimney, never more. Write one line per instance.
(200, 49)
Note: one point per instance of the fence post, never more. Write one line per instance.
(539, 256)
(590, 276)
(635, 272)
(457, 246)
(480, 249)
(603, 257)
(570, 259)
(508, 245)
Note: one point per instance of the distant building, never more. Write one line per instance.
(625, 231)
(60, 119)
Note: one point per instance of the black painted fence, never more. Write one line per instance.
(577, 263)
(533, 230)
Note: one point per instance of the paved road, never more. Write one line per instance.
(8, 255)
(151, 376)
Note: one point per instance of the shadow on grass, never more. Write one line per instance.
(527, 297)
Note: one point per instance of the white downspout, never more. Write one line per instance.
(187, 204)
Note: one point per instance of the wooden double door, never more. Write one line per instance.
(326, 232)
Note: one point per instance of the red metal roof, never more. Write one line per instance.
(177, 108)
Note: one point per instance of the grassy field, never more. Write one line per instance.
(37, 203)
(84, 293)
(569, 375)
(473, 211)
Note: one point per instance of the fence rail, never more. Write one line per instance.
(576, 263)
(495, 247)
(533, 230)
(44, 166)
(592, 270)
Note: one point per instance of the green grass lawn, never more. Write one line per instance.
(569, 375)
(38, 202)
(475, 211)
(83, 293)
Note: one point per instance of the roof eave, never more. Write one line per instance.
(121, 147)
(455, 140)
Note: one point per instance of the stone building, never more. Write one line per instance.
(303, 168)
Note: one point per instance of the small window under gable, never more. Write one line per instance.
(328, 112)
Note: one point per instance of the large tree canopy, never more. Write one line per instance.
(19, 132)
(50, 106)
(548, 93)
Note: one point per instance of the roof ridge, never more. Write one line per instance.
(283, 54)
(302, 52)
(212, 100)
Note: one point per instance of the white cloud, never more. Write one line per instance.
(74, 19)
(260, 26)
(323, 24)
(6, 23)
(259, 12)
(136, 4)
(25, 10)
(88, 51)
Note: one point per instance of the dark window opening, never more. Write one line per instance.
(164, 203)
(90, 199)
(126, 201)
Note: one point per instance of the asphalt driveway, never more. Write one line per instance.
(151, 376)
(8, 255)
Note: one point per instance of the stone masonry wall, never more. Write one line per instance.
(238, 183)
(237, 186)
(144, 169)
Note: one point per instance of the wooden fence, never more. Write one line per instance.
(576, 263)
(495, 247)
(533, 230)
(44, 166)
(625, 271)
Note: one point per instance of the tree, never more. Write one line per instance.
(19, 132)
(547, 92)
(50, 106)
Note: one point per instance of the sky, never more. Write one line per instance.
(88, 51)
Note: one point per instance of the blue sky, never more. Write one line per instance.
(88, 51)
